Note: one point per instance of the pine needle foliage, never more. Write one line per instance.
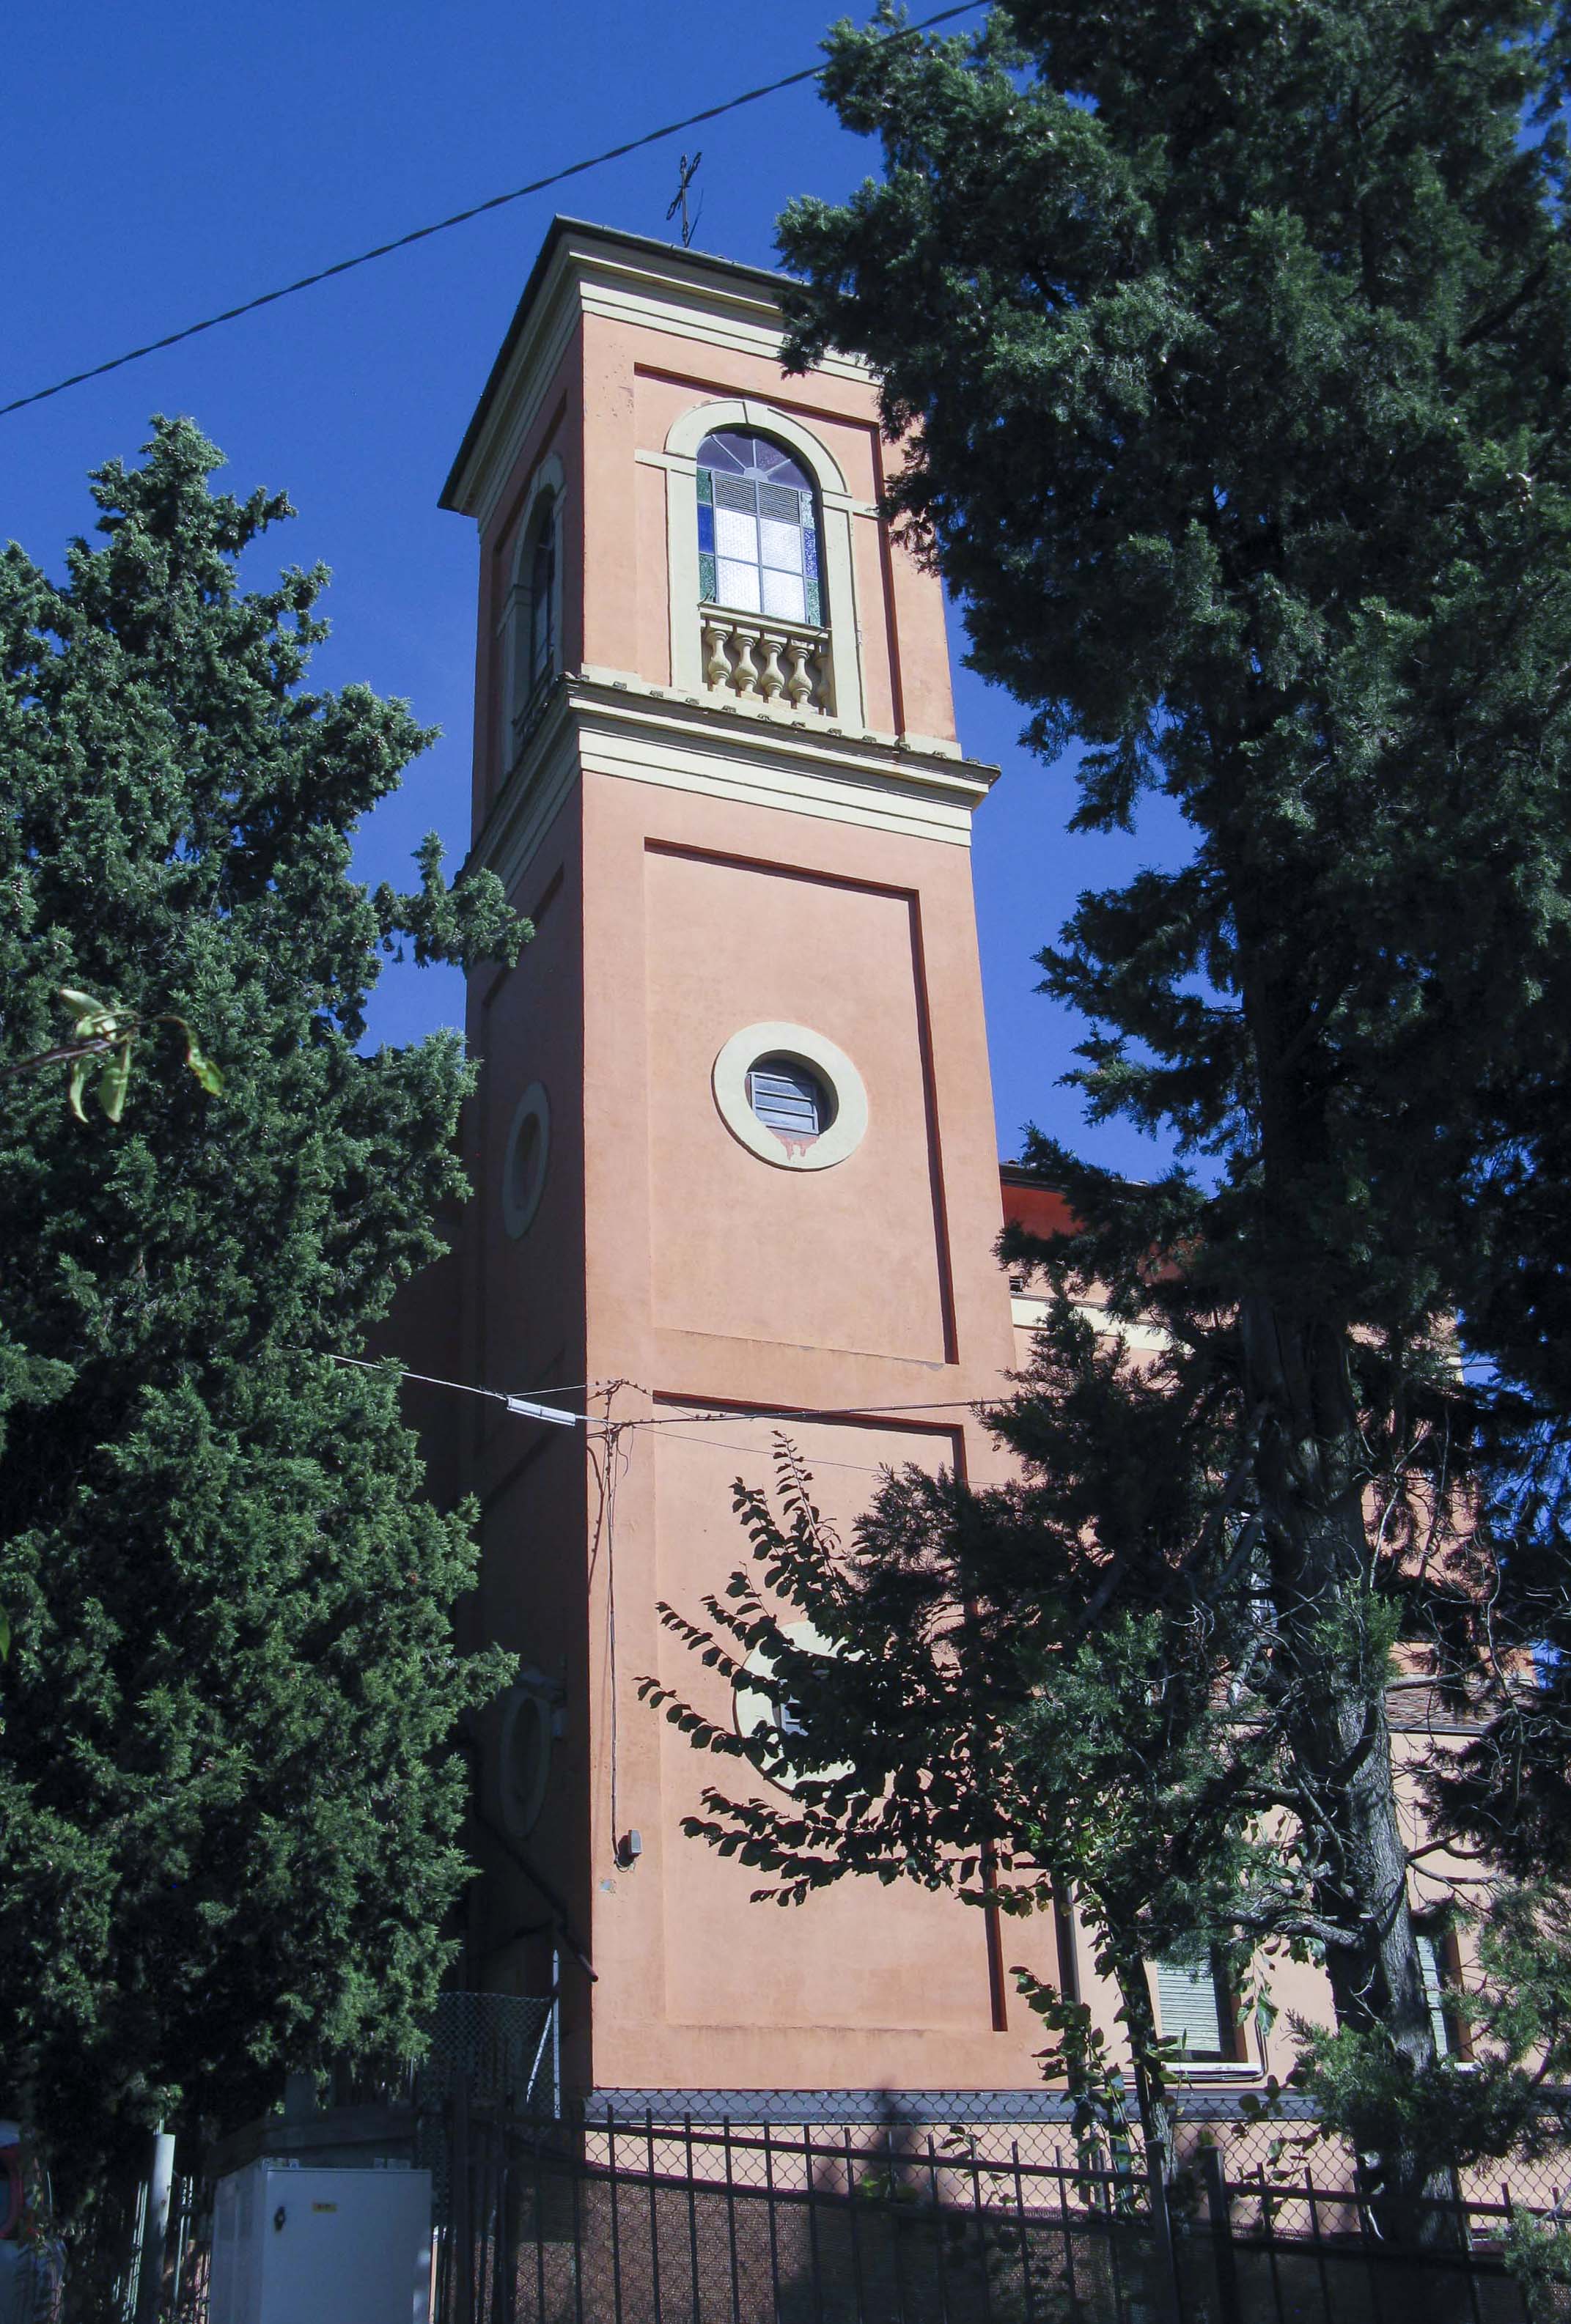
(228, 1818)
(1228, 347)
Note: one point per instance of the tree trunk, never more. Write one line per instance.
(1333, 1661)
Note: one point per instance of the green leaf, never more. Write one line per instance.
(202, 1066)
(114, 1082)
(78, 1084)
(4, 1635)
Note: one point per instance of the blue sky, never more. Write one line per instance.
(164, 162)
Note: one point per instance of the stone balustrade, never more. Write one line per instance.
(761, 659)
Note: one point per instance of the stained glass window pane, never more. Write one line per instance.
(809, 552)
(783, 595)
(733, 451)
(780, 467)
(815, 612)
(706, 488)
(736, 536)
(706, 579)
(707, 530)
(780, 545)
(728, 449)
(738, 584)
(733, 493)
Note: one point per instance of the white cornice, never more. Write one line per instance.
(615, 727)
(672, 291)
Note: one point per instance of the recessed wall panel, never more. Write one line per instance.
(857, 1956)
(842, 1259)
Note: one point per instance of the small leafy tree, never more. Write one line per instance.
(993, 1698)
(227, 1813)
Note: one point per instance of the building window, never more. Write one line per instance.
(789, 1099)
(789, 1096)
(758, 529)
(535, 608)
(1194, 2010)
(1441, 1971)
(543, 597)
(769, 1726)
(525, 1160)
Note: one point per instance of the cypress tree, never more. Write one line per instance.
(227, 1815)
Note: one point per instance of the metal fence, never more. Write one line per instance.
(934, 2208)
(604, 2217)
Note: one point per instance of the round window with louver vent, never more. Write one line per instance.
(791, 1097)
(788, 1098)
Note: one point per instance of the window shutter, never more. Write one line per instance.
(1189, 2010)
(786, 1098)
(1434, 1994)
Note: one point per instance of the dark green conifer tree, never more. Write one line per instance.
(1230, 348)
(227, 1813)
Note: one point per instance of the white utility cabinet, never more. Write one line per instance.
(299, 2245)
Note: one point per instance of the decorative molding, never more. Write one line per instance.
(679, 464)
(613, 726)
(623, 280)
(1030, 1314)
(689, 429)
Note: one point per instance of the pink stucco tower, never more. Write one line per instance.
(733, 1149)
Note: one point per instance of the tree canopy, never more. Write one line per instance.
(1229, 350)
(227, 1820)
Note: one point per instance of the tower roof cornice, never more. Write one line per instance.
(592, 269)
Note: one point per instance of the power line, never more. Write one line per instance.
(804, 1412)
(525, 1402)
(818, 1459)
(527, 1405)
(461, 217)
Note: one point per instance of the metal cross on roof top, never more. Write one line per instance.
(690, 171)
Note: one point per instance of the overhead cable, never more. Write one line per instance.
(530, 1406)
(460, 217)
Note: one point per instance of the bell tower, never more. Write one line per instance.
(733, 1148)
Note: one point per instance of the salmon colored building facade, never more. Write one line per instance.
(733, 1152)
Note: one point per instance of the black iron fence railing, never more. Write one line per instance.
(807, 2209)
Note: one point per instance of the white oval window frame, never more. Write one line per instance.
(754, 1710)
(736, 1060)
(532, 1720)
(518, 1213)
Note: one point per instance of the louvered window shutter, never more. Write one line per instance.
(1433, 1994)
(786, 1098)
(1189, 2010)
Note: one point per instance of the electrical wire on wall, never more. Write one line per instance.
(609, 1463)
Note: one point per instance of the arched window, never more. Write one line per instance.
(542, 598)
(758, 529)
(533, 613)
